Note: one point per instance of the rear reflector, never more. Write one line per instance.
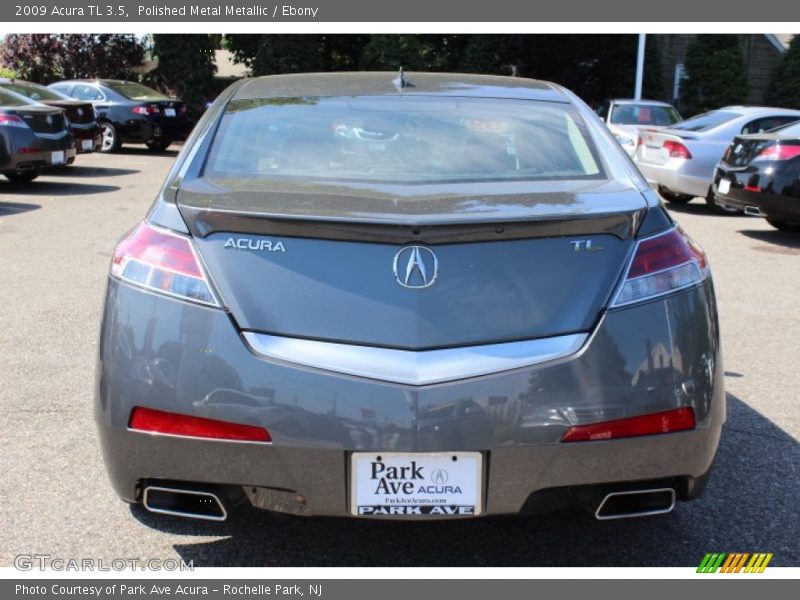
(779, 152)
(679, 419)
(660, 265)
(158, 421)
(162, 261)
(676, 149)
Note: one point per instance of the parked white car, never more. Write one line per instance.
(624, 118)
(679, 161)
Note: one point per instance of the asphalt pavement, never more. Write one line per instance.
(56, 238)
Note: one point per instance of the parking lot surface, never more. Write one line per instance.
(56, 238)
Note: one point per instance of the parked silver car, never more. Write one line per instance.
(624, 118)
(679, 161)
(407, 296)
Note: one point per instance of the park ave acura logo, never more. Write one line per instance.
(415, 267)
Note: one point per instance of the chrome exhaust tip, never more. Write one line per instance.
(635, 503)
(182, 502)
(753, 211)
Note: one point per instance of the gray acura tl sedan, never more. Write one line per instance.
(407, 296)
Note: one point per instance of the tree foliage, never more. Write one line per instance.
(186, 66)
(48, 57)
(784, 88)
(595, 66)
(716, 74)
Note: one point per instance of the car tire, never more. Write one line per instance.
(711, 200)
(675, 197)
(111, 141)
(158, 145)
(793, 226)
(22, 176)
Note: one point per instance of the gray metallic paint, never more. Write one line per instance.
(178, 356)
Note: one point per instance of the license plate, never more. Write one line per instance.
(724, 186)
(169, 112)
(58, 157)
(87, 144)
(424, 484)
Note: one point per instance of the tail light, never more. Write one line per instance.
(148, 109)
(183, 109)
(12, 121)
(679, 419)
(676, 149)
(660, 265)
(164, 262)
(778, 152)
(159, 421)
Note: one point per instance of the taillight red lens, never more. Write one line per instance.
(679, 419)
(159, 421)
(779, 152)
(162, 261)
(148, 109)
(12, 121)
(676, 149)
(662, 264)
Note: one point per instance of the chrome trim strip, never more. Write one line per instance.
(414, 367)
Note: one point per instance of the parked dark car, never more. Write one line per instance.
(32, 136)
(760, 174)
(131, 113)
(82, 116)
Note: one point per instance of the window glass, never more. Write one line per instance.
(409, 140)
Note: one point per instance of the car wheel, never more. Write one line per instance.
(111, 141)
(158, 145)
(793, 226)
(22, 176)
(711, 200)
(675, 197)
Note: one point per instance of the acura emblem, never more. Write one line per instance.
(49, 120)
(415, 267)
(80, 112)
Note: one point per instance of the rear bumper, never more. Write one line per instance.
(179, 357)
(673, 176)
(25, 150)
(87, 138)
(761, 194)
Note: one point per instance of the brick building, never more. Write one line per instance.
(761, 52)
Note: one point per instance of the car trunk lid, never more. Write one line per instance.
(43, 120)
(413, 267)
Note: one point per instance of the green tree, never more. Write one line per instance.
(716, 74)
(412, 52)
(186, 66)
(44, 57)
(784, 88)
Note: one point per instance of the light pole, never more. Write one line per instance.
(640, 67)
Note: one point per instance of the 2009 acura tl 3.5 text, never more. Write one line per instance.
(407, 296)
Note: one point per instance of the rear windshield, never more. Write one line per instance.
(793, 129)
(34, 92)
(8, 98)
(706, 121)
(137, 91)
(402, 139)
(644, 114)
